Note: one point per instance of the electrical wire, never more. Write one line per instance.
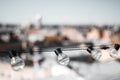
(51, 49)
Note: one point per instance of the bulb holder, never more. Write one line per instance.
(12, 53)
(104, 47)
(90, 49)
(117, 46)
(58, 51)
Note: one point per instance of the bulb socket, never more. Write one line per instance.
(58, 51)
(105, 47)
(12, 53)
(117, 46)
(89, 49)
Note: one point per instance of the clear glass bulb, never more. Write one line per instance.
(63, 59)
(96, 54)
(113, 52)
(17, 63)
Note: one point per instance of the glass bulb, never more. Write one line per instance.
(17, 63)
(63, 59)
(113, 52)
(96, 54)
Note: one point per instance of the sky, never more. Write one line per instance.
(61, 11)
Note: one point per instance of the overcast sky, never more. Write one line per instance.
(61, 11)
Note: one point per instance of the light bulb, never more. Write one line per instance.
(113, 51)
(17, 63)
(95, 53)
(62, 58)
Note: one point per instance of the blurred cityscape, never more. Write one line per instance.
(29, 34)
(65, 24)
(43, 65)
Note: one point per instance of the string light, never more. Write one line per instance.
(62, 58)
(17, 63)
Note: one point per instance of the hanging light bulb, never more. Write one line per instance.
(17, 63)
(62, 58)
(95, 53)
(113, 51)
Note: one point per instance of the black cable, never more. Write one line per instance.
(44, 49)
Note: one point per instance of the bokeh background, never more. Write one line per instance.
(27, 24)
